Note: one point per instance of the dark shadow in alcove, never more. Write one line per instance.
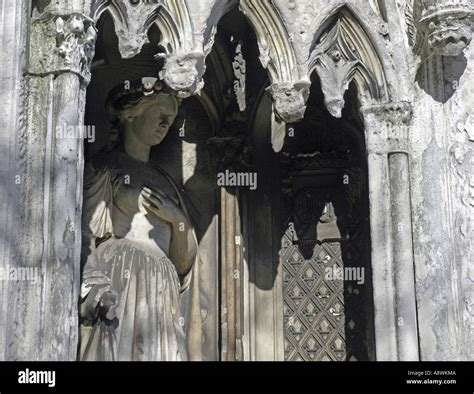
(307, 140)
(195, 118)
(337, 146)
(447, 71)
(231, 121)
(218, 101)
(110, 70)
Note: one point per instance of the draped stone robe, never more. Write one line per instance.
(155, 308)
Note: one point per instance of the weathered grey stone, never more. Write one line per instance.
(13, 31)
(441, 172)
(411, 63)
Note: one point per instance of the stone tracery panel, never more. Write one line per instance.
(185, 41)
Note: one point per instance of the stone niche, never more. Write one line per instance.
(184, 154)
(261, 84)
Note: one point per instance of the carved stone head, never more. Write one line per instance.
(145, 108)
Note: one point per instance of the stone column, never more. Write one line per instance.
(231, 152)
(231, 260)
(443, 187)
(43, 314)
(443, 205)
(391, 231)
(13, 38)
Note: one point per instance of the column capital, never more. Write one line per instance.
(446, 26)
(395, 113)
(233, 150)
(61, 43)
(387, 126)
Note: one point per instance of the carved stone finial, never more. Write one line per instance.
(62, 43)
(289, 100)
(183, 73)
(335, 74)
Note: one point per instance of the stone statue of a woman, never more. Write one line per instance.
(138, 242)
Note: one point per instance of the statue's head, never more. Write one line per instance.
(144, 108)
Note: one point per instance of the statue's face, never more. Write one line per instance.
(152, 125)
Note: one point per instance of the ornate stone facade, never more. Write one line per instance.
(249, 72)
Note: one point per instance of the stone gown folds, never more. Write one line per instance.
(149, 321)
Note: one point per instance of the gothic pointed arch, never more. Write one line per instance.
(133, 20)
(276, 51)
(187, 35)
(290, 87)
(342, 52)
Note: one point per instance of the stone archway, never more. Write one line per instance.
(315, 221)
(345, 49)
(49, 47)
(342, 49)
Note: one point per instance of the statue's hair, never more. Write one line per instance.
(134, 97)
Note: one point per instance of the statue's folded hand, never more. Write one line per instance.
(162, 206)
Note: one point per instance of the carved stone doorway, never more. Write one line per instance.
(312, 279)
(326, 262)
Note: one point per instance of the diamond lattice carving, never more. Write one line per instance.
(324, 314)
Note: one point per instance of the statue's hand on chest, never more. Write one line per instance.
(151, 196)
